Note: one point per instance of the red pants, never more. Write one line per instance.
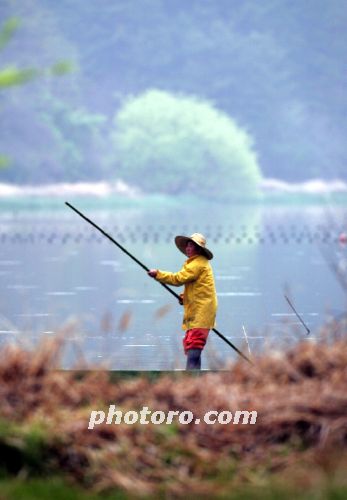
(195, 338)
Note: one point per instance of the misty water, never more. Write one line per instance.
(60, 276)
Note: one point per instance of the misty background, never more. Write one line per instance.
(223, 93)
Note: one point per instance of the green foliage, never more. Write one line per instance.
(7, 31)
(54, 488)
(4, 161)
(22, 446)
(77, 136)
(13, 76)
(59, 488)
(61, 68)
(10, 76)
(255, 59)
(173, 144)
(274, 66)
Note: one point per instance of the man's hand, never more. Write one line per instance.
(180, 300)
(152, 273)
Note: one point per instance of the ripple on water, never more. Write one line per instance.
(137, 301)
(34, 315)
(228, 278)
(282, 314)
(22, 287)
(109, 263)
(293, 314)
(139, 345)
(239, 294)
(85, 288)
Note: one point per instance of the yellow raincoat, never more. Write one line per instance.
(199, 298)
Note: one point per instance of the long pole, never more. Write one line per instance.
(298, 315)
(147, 269)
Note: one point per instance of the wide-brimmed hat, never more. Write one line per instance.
(199, 239)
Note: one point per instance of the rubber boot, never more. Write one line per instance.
(193, 359)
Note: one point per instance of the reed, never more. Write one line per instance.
(300, 435)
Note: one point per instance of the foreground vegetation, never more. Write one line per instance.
(298, 445)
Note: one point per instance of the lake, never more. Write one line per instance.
(60, 276)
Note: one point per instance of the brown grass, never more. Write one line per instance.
(300, 397)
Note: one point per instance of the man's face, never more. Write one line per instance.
(191, 249)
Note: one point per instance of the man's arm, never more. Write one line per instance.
(188, 273)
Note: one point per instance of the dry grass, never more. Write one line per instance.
(300, 434)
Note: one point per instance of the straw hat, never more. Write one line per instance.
(199, 239)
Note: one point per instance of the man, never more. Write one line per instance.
(199, 298)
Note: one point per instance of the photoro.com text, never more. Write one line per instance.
(146, 416)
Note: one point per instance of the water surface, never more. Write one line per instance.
(58, 275)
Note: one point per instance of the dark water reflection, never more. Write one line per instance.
(56, 270)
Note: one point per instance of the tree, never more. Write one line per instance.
(176, 144)
(79, 139)
(11, 75)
